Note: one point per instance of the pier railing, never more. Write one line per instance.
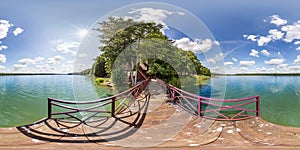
(216, 109)
(95, 110)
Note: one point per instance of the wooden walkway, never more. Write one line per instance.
(153, 124)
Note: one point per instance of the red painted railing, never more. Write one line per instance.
(216, 109)
(210, 108)
(71, 111)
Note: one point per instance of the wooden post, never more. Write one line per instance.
(258, 106)
(199, 106)
(113, 106)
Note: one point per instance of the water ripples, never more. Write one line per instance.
(23, 99)
(280, 95)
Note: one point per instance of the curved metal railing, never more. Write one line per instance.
(217, 109)
(96, 110)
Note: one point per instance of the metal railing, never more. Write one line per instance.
(95, 110)
(216, 109)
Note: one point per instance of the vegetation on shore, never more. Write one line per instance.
(202, 79)
(102, 81)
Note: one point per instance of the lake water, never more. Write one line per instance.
(23, 99)
(280, 95)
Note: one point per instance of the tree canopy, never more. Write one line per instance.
(118, 34)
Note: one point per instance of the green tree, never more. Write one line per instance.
(118, 34)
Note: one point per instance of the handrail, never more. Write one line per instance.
(99, 100)
(189, 102)
(194, 104)
(67, 108)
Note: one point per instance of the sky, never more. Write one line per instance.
(233, 36)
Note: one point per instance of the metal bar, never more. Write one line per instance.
(238, 114)
(113, 106)
(49, 108)
(220, 114)
(229, 100)
(225, 108)
(199, 106)
(258, 106)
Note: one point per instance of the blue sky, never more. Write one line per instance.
(252, 36)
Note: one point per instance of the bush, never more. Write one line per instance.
(100, 81)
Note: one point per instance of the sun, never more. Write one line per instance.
(82, 32)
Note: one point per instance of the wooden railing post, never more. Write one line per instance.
(113, 107)
(258, 106)
(49, 108)
(199, 106)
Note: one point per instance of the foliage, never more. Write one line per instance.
(98, 68)
(101, 81)
(118, 34)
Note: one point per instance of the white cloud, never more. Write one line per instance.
(282, 66)
(39, 59)
(251, 37)
(275, 19)
(274, 34)
(197, 46)
(211, 61)
(298, 48)
(2, 47)
(2, 58)
(26, 61)
(297, 60)
(2, 67)
(263, 40)
(265, 52)
(71, 61)
(228, 63)
(153, 15)
(247, 63)
(294, 68)
(18, 31)
(274, 61)
(234, 59)
(82, 55)
(297, 43)
(254, 53)
(217, 43)
(55, 60)
(181, 13)
(19, 66)
(67, 47)
(292, 32)
(244, 69)
(4, 28)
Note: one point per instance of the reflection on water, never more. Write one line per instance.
(280, 95)
(23, 99)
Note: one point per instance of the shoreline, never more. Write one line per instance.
(260, 74)
(18, 74)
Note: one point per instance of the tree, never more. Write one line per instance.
(118, 34)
